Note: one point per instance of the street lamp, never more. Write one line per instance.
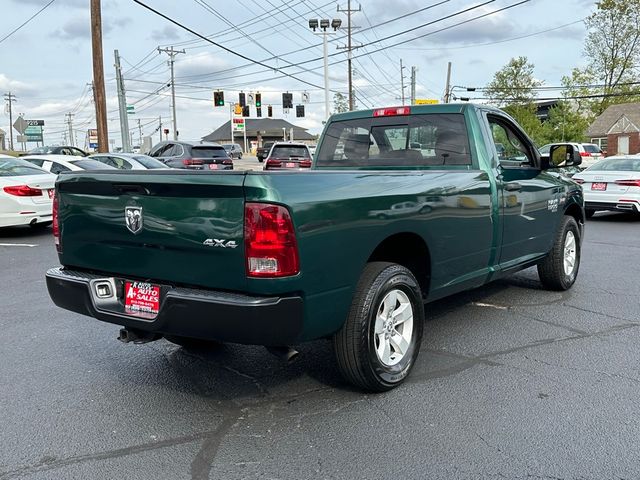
(324, 24)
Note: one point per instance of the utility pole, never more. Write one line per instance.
(447, 92)
(98, 77)
(402, 81)
(69, 121)
(160, 126)
(122, 106)
(413, 85)
(10, 98)
(172, 55)
(349, 47)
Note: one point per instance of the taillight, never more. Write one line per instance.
(56, 224)
(23, 191)
(391, 111)
(305, 163)
(585, 154)
(191, 161)
(629, 183)
(227, 161)
(578, 180)
(271, 249)
(271, 162)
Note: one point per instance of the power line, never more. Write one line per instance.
(30, 18)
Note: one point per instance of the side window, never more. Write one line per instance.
(106, 160)
(75, 151)
(35, 161)
(511, 147)
(56, 168)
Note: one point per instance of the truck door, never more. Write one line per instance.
(529, 196)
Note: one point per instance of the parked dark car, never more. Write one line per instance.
(192, 155)
(59, 150)
(263, 151)
(287, 156)
(233, 150)
(128, 161)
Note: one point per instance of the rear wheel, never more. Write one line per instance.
(379, 342)
(559, 269)
(189, 343)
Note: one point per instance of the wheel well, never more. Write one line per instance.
(410, 251)
(576, 212)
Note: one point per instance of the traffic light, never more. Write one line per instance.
(299, 111)
(237, 109)
(245, 111)
(258, 111)
(287, 100)
(241, 99)
(218, 98)
(258, 100)
(269, 111)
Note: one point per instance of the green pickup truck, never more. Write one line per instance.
(403, 206)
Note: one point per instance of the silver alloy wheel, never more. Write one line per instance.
(569, 253)
(394, 327)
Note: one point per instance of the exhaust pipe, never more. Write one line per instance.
(286, 354)
(626, 206)
(137, 336)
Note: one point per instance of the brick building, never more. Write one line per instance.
(617, 130)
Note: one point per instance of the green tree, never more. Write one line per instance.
(565, 124)
(340, 103)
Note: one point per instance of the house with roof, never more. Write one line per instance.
(261, 130)
(617, 129)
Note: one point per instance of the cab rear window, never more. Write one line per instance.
(209, 152)
(396, 141)
(290, 152)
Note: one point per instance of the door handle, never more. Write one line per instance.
(512, 186)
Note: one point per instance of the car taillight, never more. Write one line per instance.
(305, 163)
(578, 180)
(272, 162)
(23, 191)
(585, 154)
(629, 183)
(391, 111)
(191, 161)
(271, 249)
(227, 161)
(56, 224)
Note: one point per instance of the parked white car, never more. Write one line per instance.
(613, 183)
(26, 193)
(64, 163)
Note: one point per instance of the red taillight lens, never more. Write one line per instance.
(585, 154)
(629, 183)
(56, 223)
(191, 161)
(23, 191)
(391, 111)
(305, 163)
(271, 249)
(578, 180)
(227, 161)
(271, 162)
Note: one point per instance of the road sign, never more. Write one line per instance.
(33, 133)
(35, 123)
(20, 125)
(238, 125)
(21, 138)
(131, 109)
(426, 101)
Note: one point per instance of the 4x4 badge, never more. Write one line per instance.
(133, 219)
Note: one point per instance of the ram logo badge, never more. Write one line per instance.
(133, 219)
(214, 242)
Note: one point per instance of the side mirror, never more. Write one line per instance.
(562, 155)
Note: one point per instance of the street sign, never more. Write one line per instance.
(21, 138)
(20, 125)
(131, 110)
(33, 133)
(426, 101)
(238, 125)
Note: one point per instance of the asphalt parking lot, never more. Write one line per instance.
(512, 382)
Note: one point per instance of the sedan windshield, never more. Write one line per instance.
(617, 164)
(11, 167)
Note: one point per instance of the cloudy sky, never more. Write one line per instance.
(47, 64)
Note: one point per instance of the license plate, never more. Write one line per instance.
(141, 298)
(213, 166)
(599, 186)
(50, 192)
(290, 165)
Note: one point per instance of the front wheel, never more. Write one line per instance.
(379, 342)
(559, 269)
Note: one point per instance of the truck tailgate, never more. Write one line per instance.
(190, 229)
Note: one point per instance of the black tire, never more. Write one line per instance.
(260, 159)
(551, 270)
(589, 212)
(41, 225)
(189, 343)
(355, 342)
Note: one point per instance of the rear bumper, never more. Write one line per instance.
(188, 312)
(627, 206)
